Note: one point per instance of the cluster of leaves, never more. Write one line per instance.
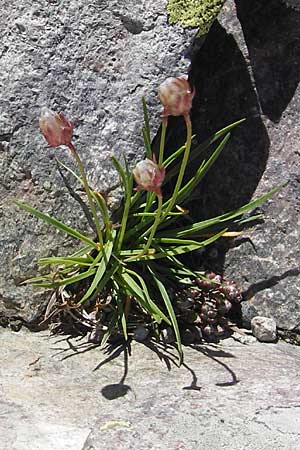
(137, 260)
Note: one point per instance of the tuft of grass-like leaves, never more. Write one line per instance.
(130, 267)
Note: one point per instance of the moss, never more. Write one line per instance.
(194, 13)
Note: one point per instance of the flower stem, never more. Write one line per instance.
(154, 226)
(185, 158)
(88, 191)
(162, 140)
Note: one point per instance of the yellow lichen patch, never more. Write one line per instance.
(194, 13)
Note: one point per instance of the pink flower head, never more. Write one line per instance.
(149, 176)
(55, 127)
(176, 96)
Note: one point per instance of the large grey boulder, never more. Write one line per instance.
(249, 66)
(94, 61)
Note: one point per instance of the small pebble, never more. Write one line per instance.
(264, 329)
(167, 335)
(140, 334)
(96, 335)
(188, 337)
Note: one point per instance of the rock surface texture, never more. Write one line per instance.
(249, 66)
(226, 396)
(94, 61)
(264, 329)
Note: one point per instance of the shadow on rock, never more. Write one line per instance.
(229, 86)
(225, 94)
(116, 390)
(271, 32)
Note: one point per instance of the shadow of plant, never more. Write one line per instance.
(165, 352)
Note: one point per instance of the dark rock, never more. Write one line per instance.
(188, 337)
(249, 66)
(16, 325)
(140, 334)
(94, 61)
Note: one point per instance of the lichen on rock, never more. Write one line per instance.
(194, 13)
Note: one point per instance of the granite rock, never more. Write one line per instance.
(264, 329)
(94, 61)
(249, 66)
(55, 395)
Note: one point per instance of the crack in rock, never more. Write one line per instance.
(283, 419)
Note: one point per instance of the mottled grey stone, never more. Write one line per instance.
(249, 66)
(94, 61)
(140, 334)
(264, 328)
(55, 394)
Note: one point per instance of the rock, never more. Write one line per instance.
(249, 66)
(140, 334)
(264, 329)
(188, 337)
(243, 338)
(54, 393)
(167, 335)
(94, 61)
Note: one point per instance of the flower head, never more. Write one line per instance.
(55, 127)
(176, 96)
(149, 176)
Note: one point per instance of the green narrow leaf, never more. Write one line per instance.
(178, 249)
(196, 151)
(143, 295)
(151, 303)
(171, 312)
(107, 251)
(78, 178)
(56, 260)
(200, 226)
(105, 279)
(147, 144)
(100, 202)
(122, 318)
(111, 325)
(186, 190)
(56, 223)
(146, 130)
(128, 184)
(83, 251)
(66, 281)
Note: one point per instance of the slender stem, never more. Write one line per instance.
(154, 226)
(88, 191)
(127, 306)
(182, 167)
(162, 140)
(103, 207)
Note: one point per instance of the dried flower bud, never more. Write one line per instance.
(56, 128)
(149, 176)
(176, 96)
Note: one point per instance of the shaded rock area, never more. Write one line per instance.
(56, 395)
(94, 61)
(249, 66)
